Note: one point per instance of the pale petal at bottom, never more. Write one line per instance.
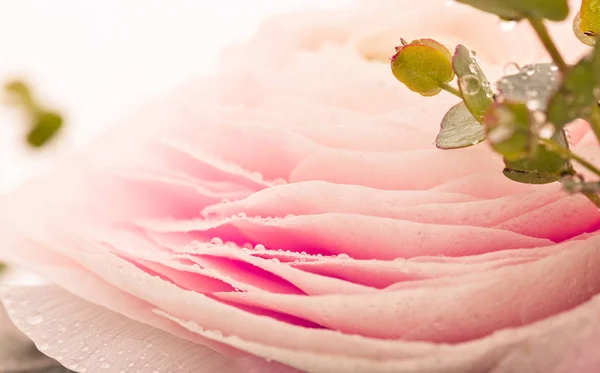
(88, 338)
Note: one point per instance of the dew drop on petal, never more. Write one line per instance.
(216, 241)
(34, 320)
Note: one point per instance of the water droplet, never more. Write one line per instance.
(533, 105)
(510, 68)
(470, 84)
(34, 320)
(547, 131)
(507, 25)
(538, 117)
(105, 365)
(259, 247)
(473, 68)
(573, 183)
(216, 241)
(43, 347)
(343, 256)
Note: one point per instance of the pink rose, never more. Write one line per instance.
(291, 214)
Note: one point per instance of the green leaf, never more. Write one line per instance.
(507, 127)
(19, 94)
(553, 10)
(588, 38)
(533, 85)
(474, 86)
(509, 132)
(459, 129)
(423, 66)
(46, 125)
(546, 167)
(590, 17)
(578, 93)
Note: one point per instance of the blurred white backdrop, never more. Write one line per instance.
(94, 58)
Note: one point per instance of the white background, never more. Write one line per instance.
(95, 58)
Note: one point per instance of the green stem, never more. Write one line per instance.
(542, 32)
(568, 154)
(448, 88)
(594, 198)
(595, 121)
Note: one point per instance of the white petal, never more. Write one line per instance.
(88, 338)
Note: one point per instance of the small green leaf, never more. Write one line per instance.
(553, 10)
(46, 125)
(423, 66)
(474, 86)
(578, 93)
(533, 85)
(459, 129)
(507, 126)
(19, 94)
(590, 17)
(509, 132)
(587, 39)
(546, 167)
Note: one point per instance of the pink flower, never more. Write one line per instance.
(291, 214)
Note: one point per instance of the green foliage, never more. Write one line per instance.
(424, 66)
(590, 17)
(532, 85)
(510, 134)
(459, 129)
(578, 93)
(474, 86)
(44, 124)
(553, 10)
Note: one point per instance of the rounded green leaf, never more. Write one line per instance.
(474, 86)
(459, 129)
(542, 168)
(590, 17)
(46, 126)
(507, 126)
(588, 38)
(423, 66)
(553, 10)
